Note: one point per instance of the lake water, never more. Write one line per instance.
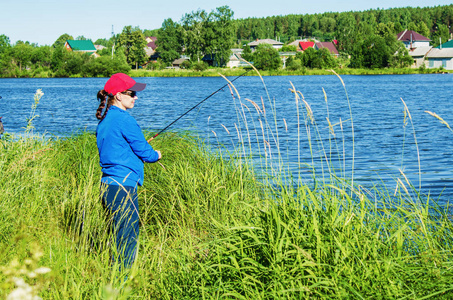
(381, 145)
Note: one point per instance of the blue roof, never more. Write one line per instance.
(77, 45)
(448, 44)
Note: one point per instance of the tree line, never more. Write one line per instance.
(24, 59)
(197, 35)
(348, 27)
(365, 39)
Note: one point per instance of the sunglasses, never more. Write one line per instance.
(130, 93)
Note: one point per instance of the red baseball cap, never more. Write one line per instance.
(121, 82)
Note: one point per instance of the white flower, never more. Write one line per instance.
(39, 93)
(42, 270)
(23, 291)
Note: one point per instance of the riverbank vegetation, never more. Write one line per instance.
(209, 229)
(214, 72)
(213, 226)
(365, 40)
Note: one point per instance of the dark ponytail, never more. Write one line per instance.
(102, 97)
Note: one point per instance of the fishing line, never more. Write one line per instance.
(196, 106)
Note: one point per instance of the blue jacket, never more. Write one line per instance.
(122, 149)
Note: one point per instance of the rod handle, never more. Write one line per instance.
(152, 138)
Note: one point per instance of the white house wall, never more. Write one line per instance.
(418, 62)
(416, 44)
(446, 63)
(420, 44)
(233, 64)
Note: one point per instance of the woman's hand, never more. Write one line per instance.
(160, 154)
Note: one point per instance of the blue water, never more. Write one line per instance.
(381, 147)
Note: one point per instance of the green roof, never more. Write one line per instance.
(81, 45)
(448, 44)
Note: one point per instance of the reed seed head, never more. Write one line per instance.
(258, 109)
(439, 118)
(225, 128)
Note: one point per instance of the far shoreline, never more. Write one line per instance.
(217, 72)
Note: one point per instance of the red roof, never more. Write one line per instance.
(410, 35)
(152, 44)
(305, 45)
(328, 45)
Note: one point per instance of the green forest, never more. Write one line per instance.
(366, 40)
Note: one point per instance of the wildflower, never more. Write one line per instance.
(42, 270)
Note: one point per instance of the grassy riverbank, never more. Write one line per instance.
(212, 72)
(209, 229)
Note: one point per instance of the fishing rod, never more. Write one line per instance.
(196, 106)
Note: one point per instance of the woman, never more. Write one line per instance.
(123, 150)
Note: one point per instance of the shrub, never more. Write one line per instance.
(156, 65)
(266, 57)
(294, 64)
(105, 66)
(289, 48)
(199, 66)
(187, 64)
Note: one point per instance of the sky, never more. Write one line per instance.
(43, 21)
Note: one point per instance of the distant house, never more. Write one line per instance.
(176, 64)
(151, 46)
(329, 46)
(236, 59)
(440, 58)
(210, 60)
(150, 39)
(99, 47)
(275, 44)
(302, 45)
(305, 45)
(80, 46)
(284, 56)
(419, 54)
(233, 60)
(412, 39)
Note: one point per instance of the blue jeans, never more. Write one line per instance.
(121, 205)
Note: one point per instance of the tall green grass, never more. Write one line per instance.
(50, 196)
(210, 229)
